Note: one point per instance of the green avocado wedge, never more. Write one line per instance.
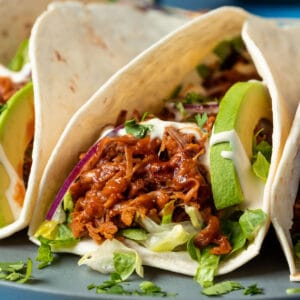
(241, 109)
(16, 133)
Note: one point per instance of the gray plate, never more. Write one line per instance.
(65, 280)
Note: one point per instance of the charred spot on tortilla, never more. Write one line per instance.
(59, 57)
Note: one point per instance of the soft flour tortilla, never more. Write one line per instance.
(74, 49)
(284, 193)
(142, 85)
(17, 19)
(284, 74)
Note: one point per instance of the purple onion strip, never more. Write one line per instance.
(212, 107)
(75, 173)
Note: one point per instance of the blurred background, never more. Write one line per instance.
(266, 8)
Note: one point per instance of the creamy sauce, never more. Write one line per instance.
(15, 181)
(159, 127)
(16, 77)
(251, 186)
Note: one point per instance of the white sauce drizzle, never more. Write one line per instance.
(251, 186)
(16, 77)
(14, 181)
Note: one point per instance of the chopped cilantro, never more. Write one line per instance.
(201, 119)
(175, 92)
(114, 286)
(193, 97)
(19, 271)
(253, 290)
(291, 291)
(137, 130)
(203, 70)
(222, 288)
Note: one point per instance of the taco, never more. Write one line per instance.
(62, 80)
(284, 197)
(151, 190)
(285, 204)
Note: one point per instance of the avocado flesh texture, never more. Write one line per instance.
(241, 109)
(16, 132)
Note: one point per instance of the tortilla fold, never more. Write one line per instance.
(74, 48)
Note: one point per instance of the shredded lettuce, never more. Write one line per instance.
(48, 230)
(136, 234)
(167, 240)
(261, 158)
(250, 221)
(52, 236)
(195, 216)
(167, 212)
(125, 263)
(208, 266)
(244, 229)
(113, 256)
(193, 251)
(261, 167)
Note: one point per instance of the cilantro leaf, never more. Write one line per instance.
(222, 288)
(253, 290)
(114, 287)
(201, 119)
(19, 271)
(203, 70)
(137, 130)
(291, 291)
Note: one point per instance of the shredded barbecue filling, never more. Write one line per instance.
(8, 88)
(130, 178)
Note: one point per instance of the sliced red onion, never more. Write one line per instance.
(75, 173)
(209, 107)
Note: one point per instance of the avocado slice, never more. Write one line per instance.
(241, 109)
(16, 133)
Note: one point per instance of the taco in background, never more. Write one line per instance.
(283, 200)
(286, 197)
(108, 223)
(62, 80)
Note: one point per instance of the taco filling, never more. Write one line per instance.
(149, 182)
